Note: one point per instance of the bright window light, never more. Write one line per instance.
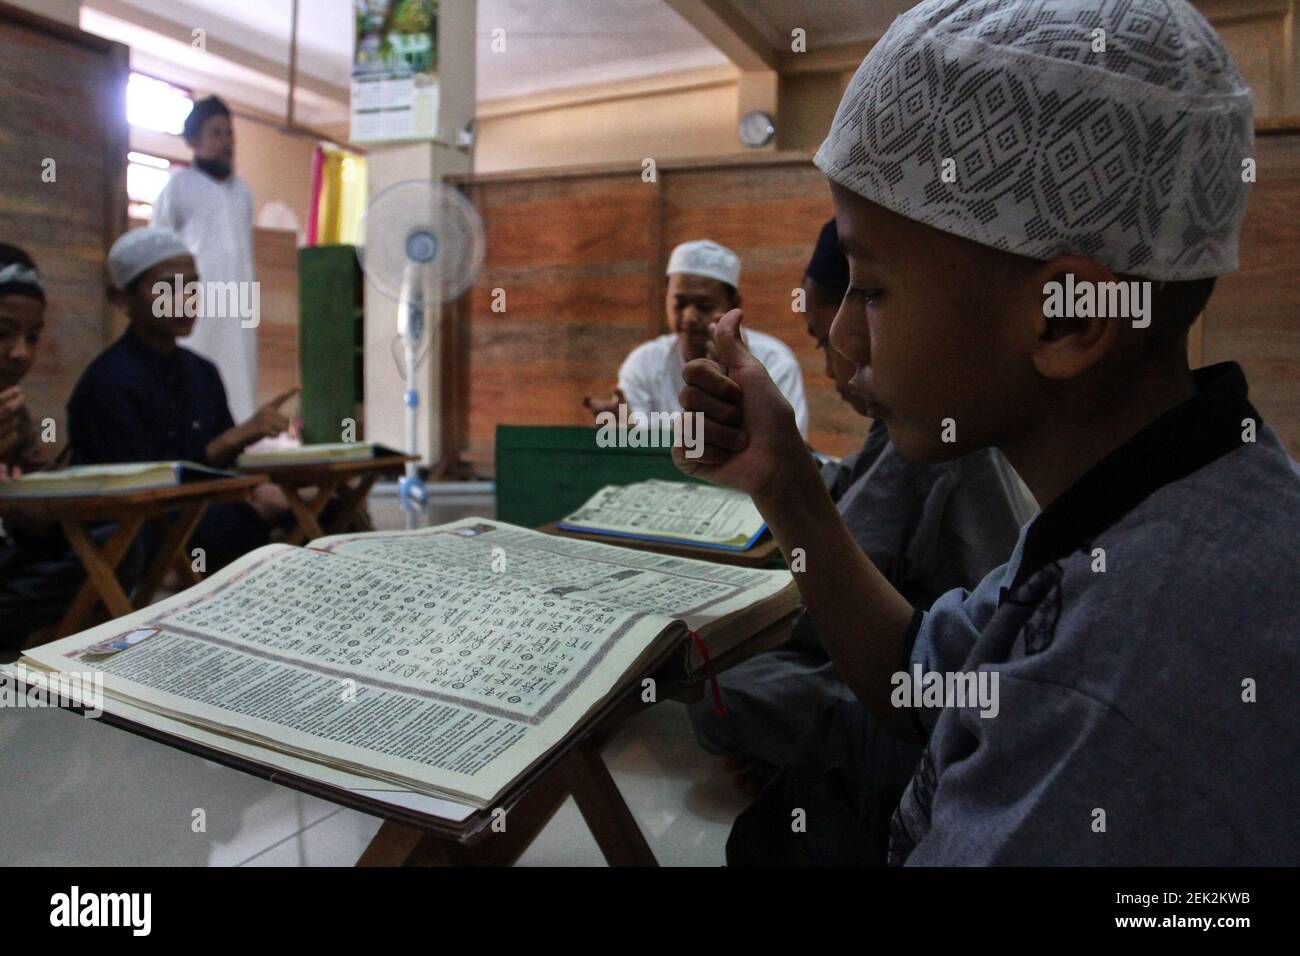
(153, 104)
(146, 160)
(145, 178)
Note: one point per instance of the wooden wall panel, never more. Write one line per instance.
(770, 215)
(572, 255)
(580, 255)
(63, 100)
(1254, 315)
(275, 259)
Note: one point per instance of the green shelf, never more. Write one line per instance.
(545, 472)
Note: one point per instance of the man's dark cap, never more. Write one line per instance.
(828, 266)
(203, 111)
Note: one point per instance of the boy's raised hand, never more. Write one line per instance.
(750, 436)
(599, 406)
(751, 443)
(268, 421)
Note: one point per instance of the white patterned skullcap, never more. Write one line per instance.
(1112, 129)
(139, 250)
(703, 257)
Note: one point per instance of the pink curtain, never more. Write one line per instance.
(317, 184)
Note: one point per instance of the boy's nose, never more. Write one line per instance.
(850, 336)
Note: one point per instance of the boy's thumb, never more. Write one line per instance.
(730, 348)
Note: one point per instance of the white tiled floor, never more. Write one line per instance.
(77, 792)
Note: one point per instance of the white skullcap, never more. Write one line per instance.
(705, 258)
(1132, 156)
(139, 250)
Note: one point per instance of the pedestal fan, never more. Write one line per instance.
(421, 245)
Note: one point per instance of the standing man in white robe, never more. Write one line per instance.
(211, 209)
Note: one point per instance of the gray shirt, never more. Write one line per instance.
(1147, 712)
(929, 528)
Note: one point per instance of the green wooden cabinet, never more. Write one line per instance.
(331, 325)
(545, 472)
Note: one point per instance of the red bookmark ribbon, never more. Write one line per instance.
(718, 708)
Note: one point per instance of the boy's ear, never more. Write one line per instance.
(1067, 343)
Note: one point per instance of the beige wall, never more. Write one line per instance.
(806, 106)
(671, 118)
(276, 165)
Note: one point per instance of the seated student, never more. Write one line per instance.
(703, 283)
(148, 399)
(39, 572)
(928, 528)
(1136, 659)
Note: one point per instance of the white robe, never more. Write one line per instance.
(214, 218)
(651, 375)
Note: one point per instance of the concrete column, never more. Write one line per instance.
(390, 164)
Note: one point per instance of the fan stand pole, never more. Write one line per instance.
(411, 490)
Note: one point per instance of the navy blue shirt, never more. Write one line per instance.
(135, 404)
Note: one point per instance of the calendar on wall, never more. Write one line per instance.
(395, 70)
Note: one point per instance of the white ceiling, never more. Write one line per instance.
(550, 44)
(553, 44)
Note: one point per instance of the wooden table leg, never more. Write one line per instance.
(352, 498)
(101, 581)
(604, 809)
(179, 529)
(400, 844)
(185, 570)
(306, 511)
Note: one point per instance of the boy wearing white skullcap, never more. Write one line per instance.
(148, 398)
(1035, 197)
(703, 282)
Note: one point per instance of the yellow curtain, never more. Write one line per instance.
(342, 197)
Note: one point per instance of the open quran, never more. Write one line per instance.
(87, 480)
(673, 512)
(444, 662)
(314, 455)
